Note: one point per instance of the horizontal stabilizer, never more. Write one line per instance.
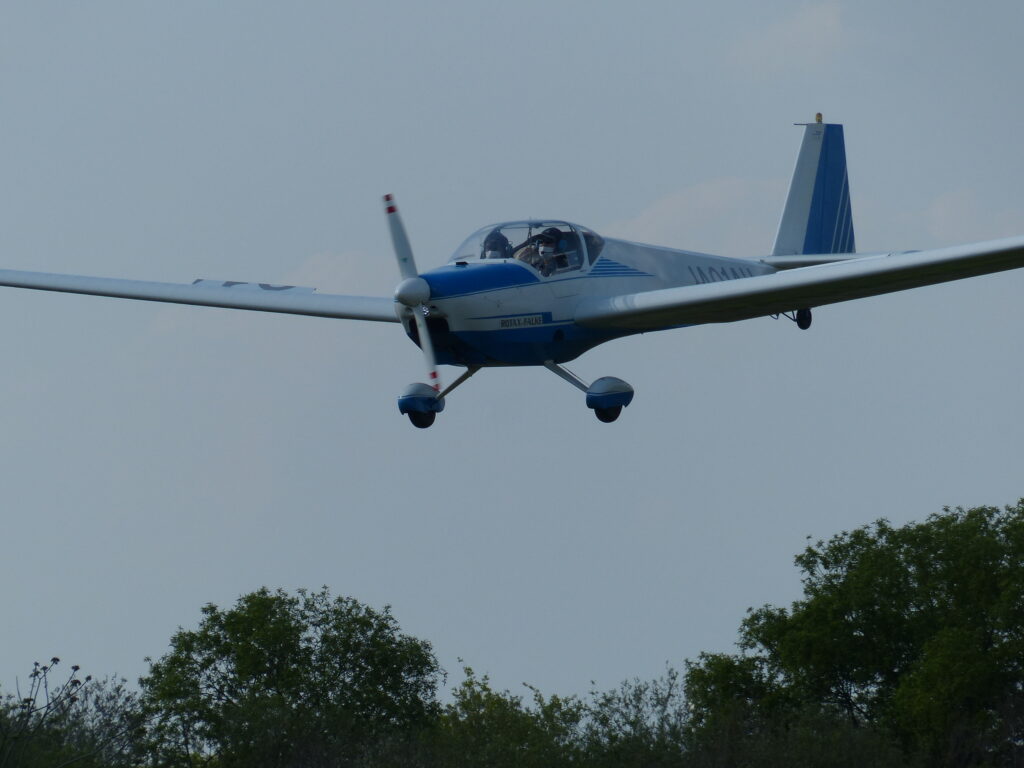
(810, 260)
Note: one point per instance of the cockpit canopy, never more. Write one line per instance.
(547, 246)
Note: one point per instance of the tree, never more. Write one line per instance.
(496, 728)
(640, 723)
(740, 713)
(913, 633)
(283, 680)
(75, 721)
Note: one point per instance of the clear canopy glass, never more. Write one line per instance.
(549, 247)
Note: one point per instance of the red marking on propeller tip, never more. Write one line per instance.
(391, 209)
(388, 198)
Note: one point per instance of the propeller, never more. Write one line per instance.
(413, 291)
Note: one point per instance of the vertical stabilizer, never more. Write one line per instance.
(817, 217)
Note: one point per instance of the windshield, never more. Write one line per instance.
(547, 246)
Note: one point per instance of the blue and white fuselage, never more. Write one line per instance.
(514, 299)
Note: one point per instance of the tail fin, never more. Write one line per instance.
(817, 217)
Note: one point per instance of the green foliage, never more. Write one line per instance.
(906, 648)
(487, 727)
(283, 680)
(75, 721)
(733, 701)
(912, 633)
(640, 723)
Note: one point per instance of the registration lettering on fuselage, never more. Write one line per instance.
(718, 275)
(520, 322)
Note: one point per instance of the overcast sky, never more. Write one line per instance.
(155, 458)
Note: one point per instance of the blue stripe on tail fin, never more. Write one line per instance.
(818, 217)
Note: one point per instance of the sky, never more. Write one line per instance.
(156, 458)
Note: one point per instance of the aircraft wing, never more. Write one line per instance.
(793, 289)
(261, 297)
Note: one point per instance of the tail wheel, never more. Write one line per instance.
(607, 415)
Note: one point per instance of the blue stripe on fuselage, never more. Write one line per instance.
(607, 268)
(513, 340)
(455, 280)
(560, 342)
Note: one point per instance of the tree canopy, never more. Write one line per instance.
(913, 633)
(906, 648)
(283, 679)
(68, 720)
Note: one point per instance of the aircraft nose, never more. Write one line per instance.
(461, 280)
(412, 292)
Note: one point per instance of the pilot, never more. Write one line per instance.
(530, 254)
(496, 245)
(539, 252)
(545, 256)
(549, 245)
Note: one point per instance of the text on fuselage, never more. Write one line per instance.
(718, 274)
(521, 322)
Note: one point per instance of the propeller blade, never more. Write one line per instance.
(400, 241)
(413, 291)
(433, 379)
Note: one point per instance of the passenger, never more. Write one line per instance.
(546, 255)
(554, 233)
(530, 254)
(496, 245)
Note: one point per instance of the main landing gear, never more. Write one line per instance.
(608, 415)
(606, 397)
(422, 419)
(421, 402)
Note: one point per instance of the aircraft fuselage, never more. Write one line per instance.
(495, 312)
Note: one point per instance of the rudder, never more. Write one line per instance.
(818, 217)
